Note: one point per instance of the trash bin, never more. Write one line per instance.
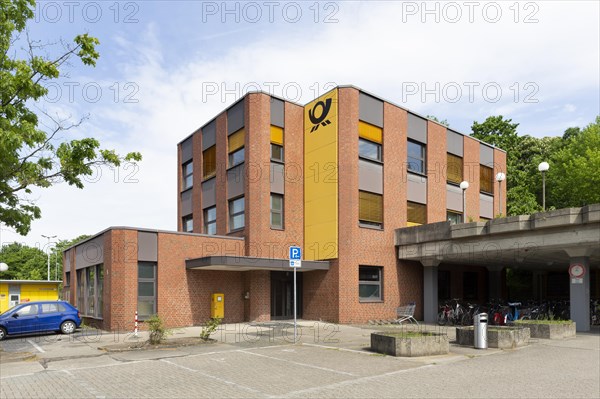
(480, 322)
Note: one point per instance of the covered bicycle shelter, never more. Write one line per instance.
(564, 240)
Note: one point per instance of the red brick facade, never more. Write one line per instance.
(184, 295)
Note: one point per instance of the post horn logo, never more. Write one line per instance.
(320, 120)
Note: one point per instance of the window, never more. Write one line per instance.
(276, 143)
(49, 308)
(187, 223)
(236, 214)
(209, 162)
(454, 171)
(210, 220)
(369, 141)
(370, 208)
(29, 310)
(277, 211)
(90, 284)
(416, 157)
(188, 177)
(369, 284)
(486, 179)
(417, 214)
(146, 305)
(236, 148)
(454, 217)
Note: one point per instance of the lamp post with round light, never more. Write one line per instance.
(500, 178)
(543, 167)
(48, 250)
(463, 186)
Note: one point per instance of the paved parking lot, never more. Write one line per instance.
(313, 368)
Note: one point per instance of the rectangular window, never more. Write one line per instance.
(100, 289)
(416, 157)
(276, 143)
(369, 284)
(486, 179)
(369, 141)
(80, 291)
(91, 285)
(370, 208)
(146, 305)
(236, 214)
(90, 288)
(209, 162)
(277, 211)
(187, 223)
(210, 220)
(188, 177)
(236, 147)
(417, 214)
(454, 217)
(454, 169)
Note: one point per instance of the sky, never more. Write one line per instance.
(168, 67)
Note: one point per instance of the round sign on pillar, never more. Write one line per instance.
(577, 271)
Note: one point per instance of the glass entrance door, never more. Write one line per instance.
(282, 295)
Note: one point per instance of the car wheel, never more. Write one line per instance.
(2, 333)
(67, 327)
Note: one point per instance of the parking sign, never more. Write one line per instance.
(295, 257)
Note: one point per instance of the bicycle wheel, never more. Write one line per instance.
(441, 319)
(466, 319)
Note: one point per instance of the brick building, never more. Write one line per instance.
(336, 177)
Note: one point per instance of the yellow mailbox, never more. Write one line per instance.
(217, 308)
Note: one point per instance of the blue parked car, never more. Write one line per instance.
(32, 317)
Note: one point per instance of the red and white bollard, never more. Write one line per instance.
(135, 330)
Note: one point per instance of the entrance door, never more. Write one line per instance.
(282, 295)
(13, 300)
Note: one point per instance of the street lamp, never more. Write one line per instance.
(463, 186)
(49, 238)
(3, 267)
(500, 178)
(543, 167)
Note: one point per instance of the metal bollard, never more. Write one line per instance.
(480, 322)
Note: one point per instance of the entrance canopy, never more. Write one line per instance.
(245, 263)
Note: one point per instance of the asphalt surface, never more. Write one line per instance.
(262, 361)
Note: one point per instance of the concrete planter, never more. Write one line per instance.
(550, 330)
(397, 344)
(501, 337)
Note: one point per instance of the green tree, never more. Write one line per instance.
(24, 262)
(31, 156)
(441, 122)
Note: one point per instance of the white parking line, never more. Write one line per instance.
(300, 364)
(36, 346)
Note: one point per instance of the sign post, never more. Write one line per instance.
(295, 262)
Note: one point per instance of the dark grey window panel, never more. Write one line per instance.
(209, 193)
(277, 112)
(277, 178)
(209, 133)
(90, 253)
(486, 206)
(186, 203)
(187, 150)
(486, 155)
(370, 176)
(417, 189)
(68, 260)
(147, 246)
(455, 143)
(417, 128)
(370, 110)
(454, 199)
(235, 181)
(235, 117)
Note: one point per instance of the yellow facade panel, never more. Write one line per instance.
(276, 135)
(321, 177)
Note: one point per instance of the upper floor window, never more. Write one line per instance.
(210, 220)
(209, 162)
(486, 179)
(187, 223)
(188, 175)
(236, 147)
(454, 217)
(276, 143)
(416, 157)
(370, 208)
(369, 141)
(417, 214)
(454, 169)
(277, 211)
(236, 214)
